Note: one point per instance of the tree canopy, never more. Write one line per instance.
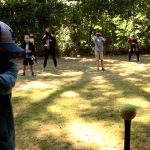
(74, 22)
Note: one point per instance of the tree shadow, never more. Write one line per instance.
(103, 106)
(37, 112)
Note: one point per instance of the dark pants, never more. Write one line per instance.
(47, 53)
(134, 49)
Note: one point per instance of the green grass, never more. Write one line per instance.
(77, 108)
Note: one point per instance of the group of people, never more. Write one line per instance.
(49, 43)
(133, 44)
(9, 70)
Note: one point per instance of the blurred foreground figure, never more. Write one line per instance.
(8, 76)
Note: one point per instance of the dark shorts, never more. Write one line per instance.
(27, 61)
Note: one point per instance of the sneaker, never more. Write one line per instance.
(103, 69)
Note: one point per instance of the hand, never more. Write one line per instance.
(129, 50)
(28, 51)
(33, 57)
(45, 45)
(103, 39)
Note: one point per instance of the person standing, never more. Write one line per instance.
(98, 42)
(8, 76)
(133, 47)
(49, 43)
(32, 40)
(28, 55)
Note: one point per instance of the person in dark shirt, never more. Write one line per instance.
(133, 47)
(32, 40)
(49, 43)
(28, 55)
(8, 76)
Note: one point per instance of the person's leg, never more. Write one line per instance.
(130, 54)
(97, 59)
(32, 71)
(31, 66)
(137, 54)
(24, 70)
(97, 64)
(24, 66)
(54, 58)
(131, 51)
(102, 62)
(45, 58)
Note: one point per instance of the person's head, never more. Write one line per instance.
(47, 30)
(98, 33)
(8, 47)
(48, 33)
(31, 35)
(26, 38)
(132, 36)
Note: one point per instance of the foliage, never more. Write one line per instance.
(74, 22)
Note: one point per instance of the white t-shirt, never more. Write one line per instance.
(99, 43)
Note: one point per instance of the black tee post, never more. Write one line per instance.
(127, 134)
(128, 112)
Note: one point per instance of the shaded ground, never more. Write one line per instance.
(77, 108)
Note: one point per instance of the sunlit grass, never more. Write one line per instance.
(77, 108)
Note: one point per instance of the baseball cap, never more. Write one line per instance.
(6, 39)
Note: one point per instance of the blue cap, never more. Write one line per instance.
(6, 39)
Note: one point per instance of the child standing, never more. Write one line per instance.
(133, 47)
(99, 40)
(28, 54)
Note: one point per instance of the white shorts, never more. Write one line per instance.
(99, 55)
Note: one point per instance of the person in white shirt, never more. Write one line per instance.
(98, 42)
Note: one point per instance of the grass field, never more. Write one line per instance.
(77, 108)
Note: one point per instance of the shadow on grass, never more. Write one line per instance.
(105, 109)
(37, 112)
(101, 109)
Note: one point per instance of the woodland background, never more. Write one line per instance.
(74, 22)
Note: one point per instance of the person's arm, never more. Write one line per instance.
(44, 40)
(129, 45)
(137, 44)
(32, 48)
(8, 78)
(103, 39)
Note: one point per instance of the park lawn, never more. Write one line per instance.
(77, 108)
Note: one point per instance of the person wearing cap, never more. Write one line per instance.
(133, 47)
(49, 43)
(8, 76)
(98, 42)
(28, 54)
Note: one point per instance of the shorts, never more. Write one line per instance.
(27, 61)
(99, 55)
